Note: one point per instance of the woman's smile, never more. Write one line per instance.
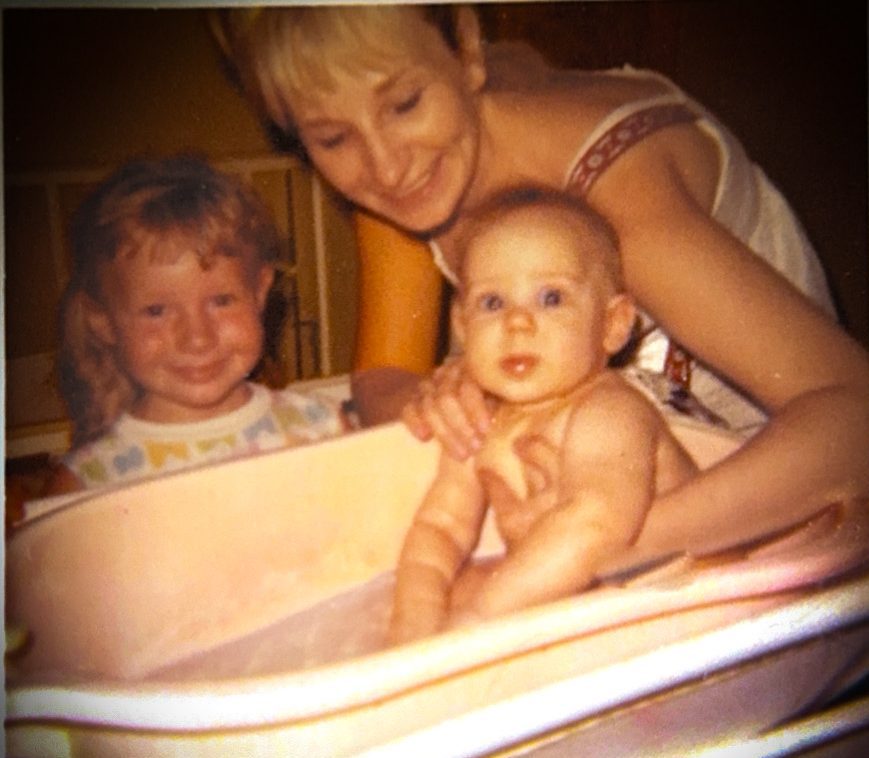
(418, 197)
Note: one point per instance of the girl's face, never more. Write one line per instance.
(536, 319)
(187, 337)
(398, 137)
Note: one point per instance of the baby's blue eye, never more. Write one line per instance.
(551, 297)
(490, 302)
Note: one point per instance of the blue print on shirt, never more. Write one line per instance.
(131, 460)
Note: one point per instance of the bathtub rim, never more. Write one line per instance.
(284, 698)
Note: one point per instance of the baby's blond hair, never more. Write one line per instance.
(595, 237)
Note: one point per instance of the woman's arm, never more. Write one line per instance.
(399, 309)
(734, 312)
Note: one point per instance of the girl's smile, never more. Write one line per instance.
(188, 336)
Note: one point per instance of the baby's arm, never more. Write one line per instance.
(443, 534)
(605, 486)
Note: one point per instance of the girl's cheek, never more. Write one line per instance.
(245, 327)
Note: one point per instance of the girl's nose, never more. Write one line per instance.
(196, 331)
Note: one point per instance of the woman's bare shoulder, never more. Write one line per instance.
(516, 66)
(568, 104)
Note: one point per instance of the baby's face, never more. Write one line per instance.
(532, 315)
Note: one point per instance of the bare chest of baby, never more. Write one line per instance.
(519, 491)
(515, 500)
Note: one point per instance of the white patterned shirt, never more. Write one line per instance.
(271, 419)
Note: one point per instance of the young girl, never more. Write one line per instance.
(408, 114)
(540, 310)
(162, 324)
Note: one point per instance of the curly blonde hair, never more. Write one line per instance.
(136, 211)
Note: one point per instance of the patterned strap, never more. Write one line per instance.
(677, 365)
(600, 156)
(623, 135)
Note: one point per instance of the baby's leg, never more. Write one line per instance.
(467, 585)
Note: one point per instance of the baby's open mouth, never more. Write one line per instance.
(519, 365)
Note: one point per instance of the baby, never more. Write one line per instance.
(539, 312)
(162, 326)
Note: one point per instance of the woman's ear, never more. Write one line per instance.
(98, 320)
(621, 313)
(471, 51)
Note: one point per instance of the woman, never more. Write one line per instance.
(404, 112)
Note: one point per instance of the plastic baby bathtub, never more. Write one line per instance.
(239, 610)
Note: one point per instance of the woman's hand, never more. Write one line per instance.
(452, 408)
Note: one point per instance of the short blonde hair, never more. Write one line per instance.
(275, 53)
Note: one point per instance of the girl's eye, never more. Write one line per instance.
(490, 302)
(407, 104)
(154, 310)
(224, 299)
(551, 297)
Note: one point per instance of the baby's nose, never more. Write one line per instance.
(519, 318)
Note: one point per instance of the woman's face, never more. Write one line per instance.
(398, 137)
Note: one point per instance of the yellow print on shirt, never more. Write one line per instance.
(158, 452)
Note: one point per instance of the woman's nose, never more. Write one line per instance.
(388, 159)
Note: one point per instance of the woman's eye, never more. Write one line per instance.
(331, 141)
(407, 104)
(224, 299)
(551, 297)
(490, 302)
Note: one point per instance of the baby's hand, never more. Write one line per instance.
(451, 407)
(540, 464)
(408, 627)
(517, 515)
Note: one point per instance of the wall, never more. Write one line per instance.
(91, 87)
